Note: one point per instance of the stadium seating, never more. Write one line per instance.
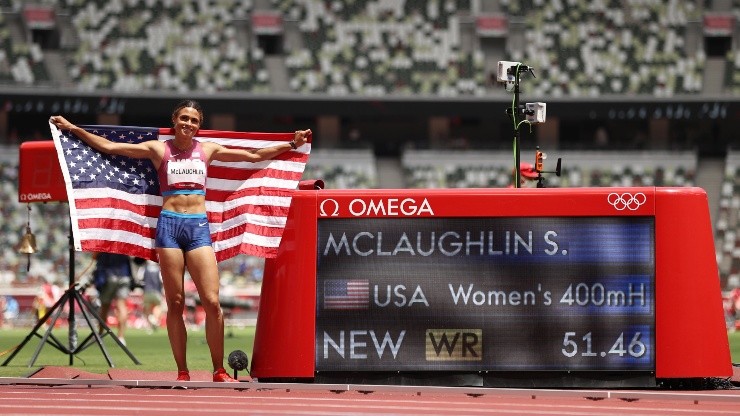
(456, 169)
(472, 169)
(343, 168)
(584, 48)
(166, 45)
(21, 63)
(374, 47)
(415, 50)
(381, 47)
(727, 227)
(732, 72)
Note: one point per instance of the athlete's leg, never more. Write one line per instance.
(201, 263)
(172, 266)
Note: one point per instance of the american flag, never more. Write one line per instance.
(114, 201)
(346, 294)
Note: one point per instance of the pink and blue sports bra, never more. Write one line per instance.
(182, 171)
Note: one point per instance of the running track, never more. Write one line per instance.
(135, 397)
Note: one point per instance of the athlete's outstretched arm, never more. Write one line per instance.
(143, 150)
(225, 154)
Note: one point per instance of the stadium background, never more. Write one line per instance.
(399, 94)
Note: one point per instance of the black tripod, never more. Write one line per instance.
(71, 296)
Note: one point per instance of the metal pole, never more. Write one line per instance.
(71, 314)
(515, 111)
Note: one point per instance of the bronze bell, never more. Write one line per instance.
(28, 243)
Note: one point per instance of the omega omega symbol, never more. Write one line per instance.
(323, 207)
(626, 200)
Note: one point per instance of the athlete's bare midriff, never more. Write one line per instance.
(185, 204)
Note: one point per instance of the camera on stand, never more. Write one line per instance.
(535, 112)
(509, 72)
(506, 71)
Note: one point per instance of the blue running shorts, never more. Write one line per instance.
(184, 231)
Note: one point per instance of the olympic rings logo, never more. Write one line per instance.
(620, 202)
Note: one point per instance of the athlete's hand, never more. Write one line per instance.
(61, 122)
(301, 137)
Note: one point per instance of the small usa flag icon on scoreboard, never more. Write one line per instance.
(346, 294)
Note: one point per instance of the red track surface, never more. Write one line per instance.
(126, 397)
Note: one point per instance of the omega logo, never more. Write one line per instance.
(332, 203)
(626, 200)
(359, 207)
(33, 197)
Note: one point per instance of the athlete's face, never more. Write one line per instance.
(187, 122)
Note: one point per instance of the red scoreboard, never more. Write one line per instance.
(40, 176)
(494, 287)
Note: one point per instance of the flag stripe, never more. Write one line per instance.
(244, 227)
(216, 172)
(237, 185)
(135, 250)
(117, 224)
(250, 249)
(117, 237)
(263, 214)
(254, 238)
(263, 196)
(231, 200)
(106, 204)
(115, 200)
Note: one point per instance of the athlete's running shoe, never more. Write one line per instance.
(221, 376)
(183, 375)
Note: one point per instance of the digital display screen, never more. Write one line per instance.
(485, 294)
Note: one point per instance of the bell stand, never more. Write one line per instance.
(72, 296)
